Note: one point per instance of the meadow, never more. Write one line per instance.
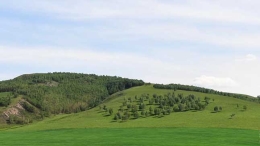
(132, 136)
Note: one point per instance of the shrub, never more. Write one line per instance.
(216, 109)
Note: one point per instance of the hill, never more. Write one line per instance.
(99, 118)
(96, 127)
(54, 93)
(178, 117)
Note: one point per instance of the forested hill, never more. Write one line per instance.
(64, 92)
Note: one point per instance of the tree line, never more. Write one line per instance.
(205, 90)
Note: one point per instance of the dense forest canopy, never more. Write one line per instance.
(66, 92)
(205, 90)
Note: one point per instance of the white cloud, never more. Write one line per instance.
(210, 81)
(191, 9)
(101, 62)
(248, 58)
(181, 32)
(60, 57)
(150, 19)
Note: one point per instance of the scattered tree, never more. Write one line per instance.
(146, 114)
(110, 111)
(136, 115)
(216, 109)
(220, 108)
(142, 113)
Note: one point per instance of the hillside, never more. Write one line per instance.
(43, 95)
(207, 118)
(231, 126)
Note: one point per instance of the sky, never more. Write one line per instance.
(206, 43)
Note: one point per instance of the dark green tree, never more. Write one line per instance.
(216, 109)
(136, 115)
(220, 108)
(110, 111)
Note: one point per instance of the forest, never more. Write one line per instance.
(58, 92)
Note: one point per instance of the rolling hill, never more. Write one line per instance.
(236, 123)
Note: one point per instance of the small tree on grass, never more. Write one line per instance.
(146, 114)
(220, 108)
(134, 108)
(124, 103)
(129, 106)
(110, 111)
(157, 111)
(142, 106)
(151, 110)
(116, 117)
(142, 113)
(119, 115)
(169, 110)
(231, 116)
(105, 107)
(181, 107)
(136, 115)
(151, 101)
(126, 116)
(216, 109)
(164, 112)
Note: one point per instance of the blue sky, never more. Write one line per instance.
(207, 43)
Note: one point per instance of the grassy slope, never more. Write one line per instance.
(193, 128)
(248, 119)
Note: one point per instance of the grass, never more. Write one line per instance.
(132, 136)
(94, 127)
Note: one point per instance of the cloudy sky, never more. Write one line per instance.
(214, 44)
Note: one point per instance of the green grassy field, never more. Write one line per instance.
(132, 136)
(94, 127)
